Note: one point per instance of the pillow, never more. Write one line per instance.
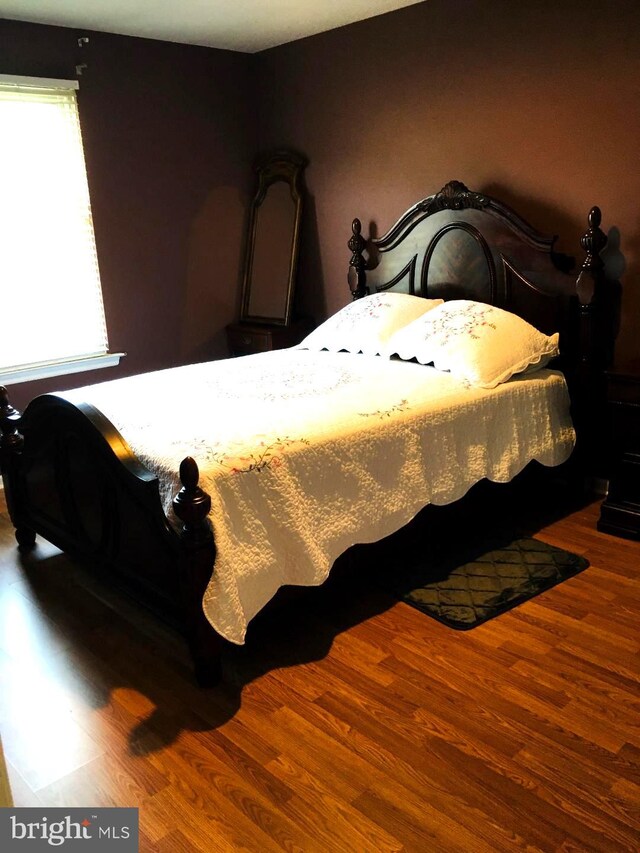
(480, 343)
(367, 324)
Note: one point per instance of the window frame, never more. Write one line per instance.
(12, 374)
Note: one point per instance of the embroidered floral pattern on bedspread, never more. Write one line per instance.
(463, 320)
(373, 307)
(263, 456)
(300, 381)
(246, 459)
(402, 406)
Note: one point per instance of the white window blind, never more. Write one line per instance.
(50, 295)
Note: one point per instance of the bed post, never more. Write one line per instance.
(192, 506)
(589, 286)
(11, 443)
(595, 344)
(357, 276)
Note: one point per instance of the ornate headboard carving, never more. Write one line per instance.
(463, 244)
(460, 244)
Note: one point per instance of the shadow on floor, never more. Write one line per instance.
(112, 644)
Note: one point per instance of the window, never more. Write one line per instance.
(50, 295)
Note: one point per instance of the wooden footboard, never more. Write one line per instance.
(70, 477)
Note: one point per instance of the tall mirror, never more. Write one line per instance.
(272, 240)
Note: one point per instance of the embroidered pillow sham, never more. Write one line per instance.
(479, 343)
(367, 324)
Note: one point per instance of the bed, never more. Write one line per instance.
(469, 350)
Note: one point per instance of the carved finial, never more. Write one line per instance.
(191, 504)
(594, 241)
(592, 295)
(10, 438)
(189, 473)
(6, 409)
(356, 242)
(357, 277)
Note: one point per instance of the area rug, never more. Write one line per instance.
(465, 587)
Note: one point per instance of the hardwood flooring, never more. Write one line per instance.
(348, 722)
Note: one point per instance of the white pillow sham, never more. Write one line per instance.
(479, 343)
(367, 324)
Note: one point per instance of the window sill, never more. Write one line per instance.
(59, 368)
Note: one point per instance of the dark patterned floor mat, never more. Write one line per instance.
(466, 590)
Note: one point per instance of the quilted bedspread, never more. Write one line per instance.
(306, 453)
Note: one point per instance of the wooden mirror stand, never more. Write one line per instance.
(272, 240)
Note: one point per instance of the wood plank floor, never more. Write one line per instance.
(348, 722)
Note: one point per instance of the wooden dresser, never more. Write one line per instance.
(620, 512)
(249, 338)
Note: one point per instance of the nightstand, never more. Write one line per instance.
(249, 338)
(620, 512)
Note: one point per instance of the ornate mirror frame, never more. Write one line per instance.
(277, 167)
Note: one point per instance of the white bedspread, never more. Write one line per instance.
(305, 454)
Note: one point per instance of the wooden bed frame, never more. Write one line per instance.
(71, 478)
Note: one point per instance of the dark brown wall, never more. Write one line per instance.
(537, 103)
(168, 132)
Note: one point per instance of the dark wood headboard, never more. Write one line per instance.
(459, 244)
